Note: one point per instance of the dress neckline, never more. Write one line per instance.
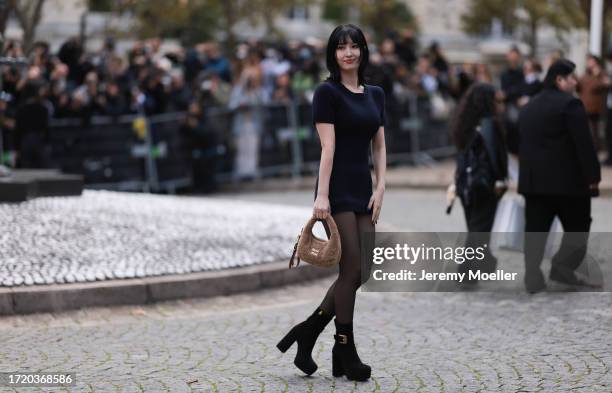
(365, 89)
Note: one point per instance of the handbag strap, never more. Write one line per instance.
(294, 252)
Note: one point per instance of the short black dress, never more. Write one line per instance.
(356, 118)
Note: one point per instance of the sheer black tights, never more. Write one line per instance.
(340, 297)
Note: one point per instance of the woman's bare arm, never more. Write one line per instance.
(328, 145)
(379, 158)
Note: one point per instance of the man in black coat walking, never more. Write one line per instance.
(559, 172)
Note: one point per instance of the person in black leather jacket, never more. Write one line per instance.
(482, 167)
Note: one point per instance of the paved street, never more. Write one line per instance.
(416, 210)
(426, 342)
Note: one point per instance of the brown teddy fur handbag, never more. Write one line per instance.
(318, 252)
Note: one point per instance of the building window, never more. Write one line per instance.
(297, 12)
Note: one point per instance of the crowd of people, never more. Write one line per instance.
(522, 80)
(75, 83)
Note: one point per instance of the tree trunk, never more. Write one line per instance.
(28, 13)
(230, 21)
(28, 38)
(533, 36)
(4, 15)
(585, 5)
(271, 30)
(605, 41)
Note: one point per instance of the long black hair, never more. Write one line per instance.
(477, 102)
(338, 36)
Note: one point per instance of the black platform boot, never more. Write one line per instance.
(306, 334)
(345, 360)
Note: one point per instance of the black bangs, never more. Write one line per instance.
(352, 34)
(340, 36)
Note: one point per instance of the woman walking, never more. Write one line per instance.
(348, 115)
(482, 167)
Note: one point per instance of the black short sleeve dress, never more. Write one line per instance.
(356, 118)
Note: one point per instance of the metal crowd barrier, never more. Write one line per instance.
(128, 153)
(289, 144)
(156, 154)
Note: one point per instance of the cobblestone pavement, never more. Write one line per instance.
(109, 235)
(415, 342)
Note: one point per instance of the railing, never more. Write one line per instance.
(289, 144)
(128, 153)
(157, 154)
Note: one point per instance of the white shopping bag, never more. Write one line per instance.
(509, 226)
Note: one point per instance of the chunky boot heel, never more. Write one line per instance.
(287, 341)
(337, 370)
(306, 334)
(306, 364)
(345, 359)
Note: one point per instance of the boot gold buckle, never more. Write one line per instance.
(342, 338)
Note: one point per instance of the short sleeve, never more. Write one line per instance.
(323, 107)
